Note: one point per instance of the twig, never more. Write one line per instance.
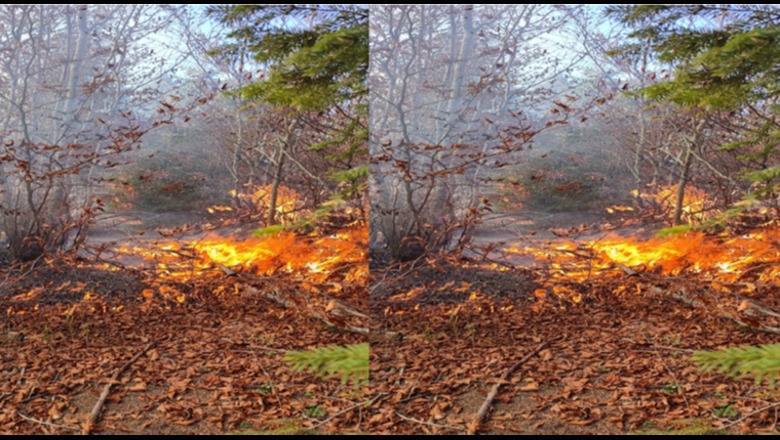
(96, 410)
(260, 347)
(404, 274)
(684, 297)
(53, 425)
(280, 298)
(357, 405)
(32, 397)
(760, 410)
(655, 346)
(674, 376)
(664, 347)
(492, 395)
(435, 425)
(270, 381)
(24, 275)
(412, 397)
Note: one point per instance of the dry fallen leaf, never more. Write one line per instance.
(530, 386)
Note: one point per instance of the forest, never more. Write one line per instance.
(183, 218)
(389, 219)
(574, 218)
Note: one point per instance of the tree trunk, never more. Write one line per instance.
(283, 146)
(690, 144)
(679, 202)
(275, 187)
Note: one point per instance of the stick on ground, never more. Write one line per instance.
(493, 392)
(30, 419)
(96, 410)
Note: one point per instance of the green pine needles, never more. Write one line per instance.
(760, 362)
(347, 362)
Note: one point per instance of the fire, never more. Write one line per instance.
(218, 208)
(619, 208)
(286, 252)
(695, 252)
(290, 205)
(309, 259)
(313, 259)
(696, 202)
(720, 259)
(725, 261)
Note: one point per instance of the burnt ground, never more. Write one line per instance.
(216, 361)
(445, 329)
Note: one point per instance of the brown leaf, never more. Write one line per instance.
(437, 413)
(55, 413)
(532, 385)
(139, 385)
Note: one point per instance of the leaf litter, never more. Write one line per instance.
(619, 332)
(219, 331)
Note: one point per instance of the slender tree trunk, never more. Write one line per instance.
(679, 203)
(60, 208)
(442, 202)
(690, 144)
(275, 187)
(278, 172)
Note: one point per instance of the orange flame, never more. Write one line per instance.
(312, 259)
(718, 259)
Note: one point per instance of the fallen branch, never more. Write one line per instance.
(434, 425)
(96, 410)
(751, 414)
(52, 425)
(492, 395)
(357, 405)
(299, 303)
(684, 297)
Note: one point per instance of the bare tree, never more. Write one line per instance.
(456, 91)
(80, 85)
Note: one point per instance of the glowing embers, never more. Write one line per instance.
(619, 208)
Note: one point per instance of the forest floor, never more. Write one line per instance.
(210, 347)
(609, 352)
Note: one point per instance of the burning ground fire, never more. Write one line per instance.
(719, 258)
(320, 274)
(311, 259)
(326, 264)
(750, 258)
(747, 264)
(314, 259)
